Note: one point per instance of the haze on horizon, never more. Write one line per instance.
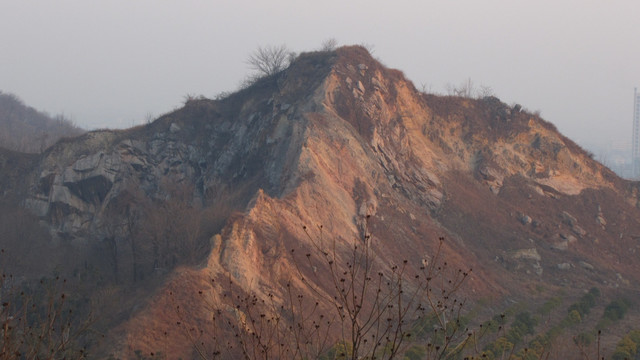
(112, 63)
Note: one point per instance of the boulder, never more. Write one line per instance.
(569, 238)
(174, 128)
(525, 219)
(560, 245)
(586, 265)
(578, 230)
(568, 219)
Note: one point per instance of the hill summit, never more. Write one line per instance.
(335, 147)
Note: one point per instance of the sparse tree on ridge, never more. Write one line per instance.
(269, 60)
(329, 44)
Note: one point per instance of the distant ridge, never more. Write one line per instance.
(25, 129)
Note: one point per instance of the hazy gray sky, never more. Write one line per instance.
(109, 63)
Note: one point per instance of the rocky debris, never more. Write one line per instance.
(524, 219)
(578, 230)
(568, 219)
(564, 266)
(537, 268)
(363, 68)
(569, 238)
(492, 177)
(537, 189)
(563, 241)
(600, 220)
(539, 170)
(586, 265)
(530, 254)
(378, 84)
(526, 254)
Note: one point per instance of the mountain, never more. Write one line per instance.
(25, 129)
(170, 219)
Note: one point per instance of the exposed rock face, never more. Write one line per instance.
(330, 140)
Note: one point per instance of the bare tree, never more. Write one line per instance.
(329, 44)
(149, 117)
(468, 89)
(485, 91)
(369, 47)
(40, 320)
(465, 89)
(382, 310)
(269, 60)
(171, 229)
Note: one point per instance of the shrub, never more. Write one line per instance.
(586, 302)
(574, 318)
(41, 321)
(616, 310)
(627, 347)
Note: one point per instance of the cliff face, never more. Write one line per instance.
(331, 140)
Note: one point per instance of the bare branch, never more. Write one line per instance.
(329, 44)
(269, 60)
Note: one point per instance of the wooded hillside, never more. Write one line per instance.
(25, 129)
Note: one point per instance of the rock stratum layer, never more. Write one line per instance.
(334, 138)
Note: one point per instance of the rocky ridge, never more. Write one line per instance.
(333, 139)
